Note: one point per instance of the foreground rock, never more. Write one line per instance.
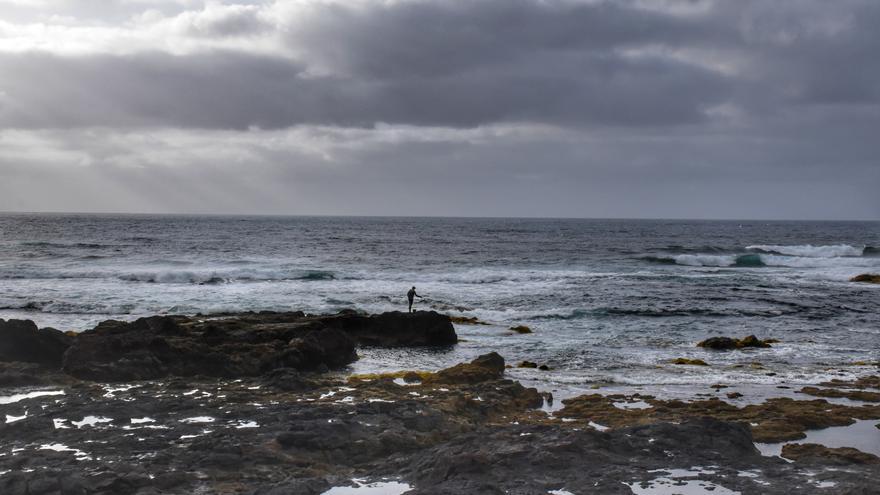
(466, 429)
(727, 343)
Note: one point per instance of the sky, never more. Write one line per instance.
(741, 109)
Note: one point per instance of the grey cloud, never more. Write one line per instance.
(438, 38)
(230, 90)
(466, 64)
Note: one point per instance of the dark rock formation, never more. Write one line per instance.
(396, 329)
(20, 340)
(521, 329)
(727, 343)
(871, 278)
(246, 344)
(293, 432)
(159, 346)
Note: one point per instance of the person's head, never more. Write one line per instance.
(414, 287)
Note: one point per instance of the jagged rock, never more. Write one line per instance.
(20, 340)
(246, 344)
(727, 343)
(871, 278)
(158, 346)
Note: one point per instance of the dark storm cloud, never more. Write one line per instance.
(230, 90)
(466, 64)
(437, 39)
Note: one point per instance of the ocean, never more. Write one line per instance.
(610, 302)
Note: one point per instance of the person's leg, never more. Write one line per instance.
(410, 305)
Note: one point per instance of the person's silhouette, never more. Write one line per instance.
(410, 295)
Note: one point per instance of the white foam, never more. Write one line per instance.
(704, 260)
(12, 419)
(9, 399)
(377, 488)
(596, 426)
(639, 404)
(91, 421)
(60, 447)
(198, 419)
(675, 486)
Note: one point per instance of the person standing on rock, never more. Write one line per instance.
(410, 295)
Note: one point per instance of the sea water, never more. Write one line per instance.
(608, 301)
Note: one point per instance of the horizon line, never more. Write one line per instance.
(463, 217)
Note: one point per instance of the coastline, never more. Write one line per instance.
(465, 429)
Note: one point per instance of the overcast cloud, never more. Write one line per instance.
(697, 109)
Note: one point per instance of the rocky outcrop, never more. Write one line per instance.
(727, 343)
(397, 329)
(484, 368)
(22, 341)
(160, 346)
(229, 345)
(871, 278)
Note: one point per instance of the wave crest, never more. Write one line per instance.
(810, 251)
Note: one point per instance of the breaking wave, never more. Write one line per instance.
(202, 277)
(810, 251)
(743, 260)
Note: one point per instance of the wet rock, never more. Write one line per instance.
(544, 367)
(467, 320)
(727, 343)
(486, 367)
(527, 364)
(397, 329)
(155, 347)
(734, 395)
(21, 340)
(862, 395)
(815, 453)
(692, 362)
(871, 278)
(775, 420)
(521, 329)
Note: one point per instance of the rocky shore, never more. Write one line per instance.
(249, 403)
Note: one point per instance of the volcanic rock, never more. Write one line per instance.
(20, 340)
(727, 343)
